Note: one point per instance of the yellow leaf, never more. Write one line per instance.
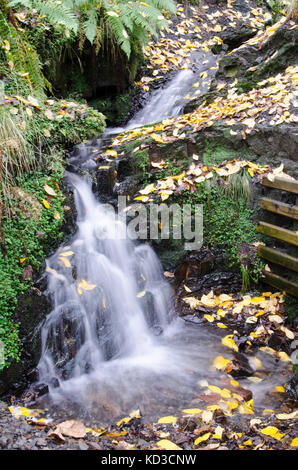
(280, 389)
(218, 432)
(220, 362)
(272, 431)
(283, 416)
(243, 409)
(116, 434)
(234, 383)
(284, 357)
(149, 189)
(257, 300)
(6, 45)
(207, 416)
(225, 393)
(192, 411)
(247, 443)
(141, 294)
(67, 253)
(23, 259)
(111, 153)
(46, 204)
(294, 442)
(124, 420)
(142, 198)
(229, 342)
(83, 285)
(165, 195)
(203, 438)
(210, 318)
(65, 261)
(167, 445)
(157, 138)
(167, 420)
(221, 325)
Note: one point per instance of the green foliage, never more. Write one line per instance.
(126, 25)
(276, 6)
(141, 161)
(21, 56)
(115, 108)
(228, 224)
(16, 149)
(20, 232)
(291, 307)
(72, 130)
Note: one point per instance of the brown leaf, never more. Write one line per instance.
(69, 428)
(28, 272)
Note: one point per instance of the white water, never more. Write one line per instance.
(100, 343)
(166, 102)
(169, 101)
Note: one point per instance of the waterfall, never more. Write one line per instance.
(110, 341)
(108, 294)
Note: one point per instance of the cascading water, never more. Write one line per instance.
(110, 331)
(110, 343)
(110, 340)
(170, 101)
(95, 283)
(163, 103)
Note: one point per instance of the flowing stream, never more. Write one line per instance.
(112, 342)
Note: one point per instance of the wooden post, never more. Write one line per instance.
(277, 257)
(277, 232)
(281, 283)
(279, 208)
(278, 182)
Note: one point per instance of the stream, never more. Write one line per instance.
(113, 342)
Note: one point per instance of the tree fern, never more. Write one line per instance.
(126, 23)
(56, 12)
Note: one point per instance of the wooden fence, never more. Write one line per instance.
(289, 236)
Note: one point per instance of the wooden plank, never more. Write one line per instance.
(281, 183)
(277, 257)
(279, 208)
(278, 232)
(281, 283)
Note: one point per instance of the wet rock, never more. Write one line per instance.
(54, 382)
(33, 375)
(241, 366)
(105, 180)
(40, 442)
(243, 392)
(83, 445)
(41, 389)
(94, 445)
(196, 264)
